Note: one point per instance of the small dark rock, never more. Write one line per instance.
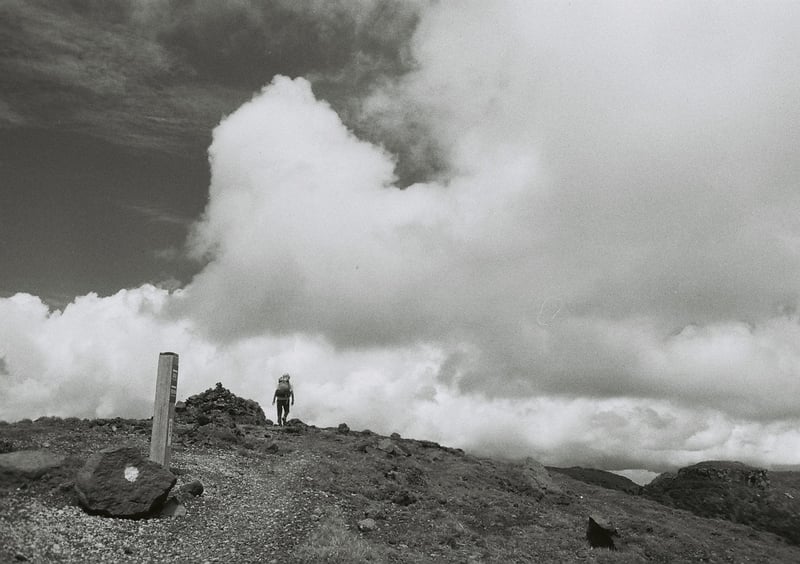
(270, 447)
(192, 489)
(404, 498)
(600, 533)
(343, 429)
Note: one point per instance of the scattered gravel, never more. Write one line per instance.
(253, 509)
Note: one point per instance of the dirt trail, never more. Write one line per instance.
(254, 509)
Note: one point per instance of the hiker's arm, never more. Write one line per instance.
(292, 394)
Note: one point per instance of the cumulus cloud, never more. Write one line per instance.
(603, 271)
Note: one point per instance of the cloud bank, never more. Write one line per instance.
(603, 273)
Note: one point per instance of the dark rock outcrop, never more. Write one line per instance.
(711, 488)
(730, 490)
(734, 473)
(119, 482)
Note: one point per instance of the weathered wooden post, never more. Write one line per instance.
(164, 408)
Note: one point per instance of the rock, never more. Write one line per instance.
(271, 447)
(367, 525)
(24, 465)
(173, 508)
(395, 436)
(538, 478)
(191, 489)
(404, 498)
(428, 444)
(343, 429)
(387, 446)
(600, 533)
(221, 407)
(119, 482)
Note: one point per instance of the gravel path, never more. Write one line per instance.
(253, 510)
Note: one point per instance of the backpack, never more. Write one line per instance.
(284, 387)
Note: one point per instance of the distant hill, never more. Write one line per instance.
(600, 478)
(769, 501)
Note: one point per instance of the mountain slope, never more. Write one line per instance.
(298, 493)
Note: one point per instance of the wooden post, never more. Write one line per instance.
(164, 408)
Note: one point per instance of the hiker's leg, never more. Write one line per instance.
(279, 412)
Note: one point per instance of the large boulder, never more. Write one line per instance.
(119, 482)
(24, 465)
(538, 477)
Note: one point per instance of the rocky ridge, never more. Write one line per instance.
(306, 494)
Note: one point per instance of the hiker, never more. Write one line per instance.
(282, 394)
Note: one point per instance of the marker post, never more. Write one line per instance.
(164, 408)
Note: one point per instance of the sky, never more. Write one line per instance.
(560, 230)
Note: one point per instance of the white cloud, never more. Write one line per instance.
(605, 275)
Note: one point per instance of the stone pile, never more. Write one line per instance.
(220, 407)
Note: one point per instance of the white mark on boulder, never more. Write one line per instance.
(131, 473)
